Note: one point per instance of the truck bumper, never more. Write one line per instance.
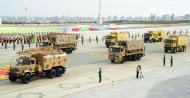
(116, 59)
(146, 39)
(168, 48)
(109, 43)
(19, 76)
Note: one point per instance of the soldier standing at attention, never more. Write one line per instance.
(164, 60)
(14, 45)
(137, 72)
(140, 72)
(96, 38)
(171, 61)
(100, 75)
(29, 43)
(36, 44)
(89, 39)
(5, 45)
(82, 41)
(102, 38)
(2, 43)
(22, 46)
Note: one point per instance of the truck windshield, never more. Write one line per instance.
(114, 49)
(109, 37)
(147, 35)
(44, 44)
(23, 62)
(169, 41)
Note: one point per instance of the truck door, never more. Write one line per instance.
(33, 65)
(122, 52)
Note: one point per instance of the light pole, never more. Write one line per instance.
(99, 20)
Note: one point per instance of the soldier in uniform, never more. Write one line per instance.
(22, 46)
(164, 60)
(14, 45)
(137, 71)
(100, 75)
(2, 43)
(89, 39)
(5, 45)
(102, 38)
(140, 72)
(171, 61)
(82, 41)
(29, 41)
(96, 38)
(36, 44)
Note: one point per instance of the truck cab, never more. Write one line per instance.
(116, 54)
(23, 69)
(170, 43)
(154, 36)
(147, 36)
(45, 44)
(110, 39)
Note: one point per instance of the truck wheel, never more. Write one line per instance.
(138, 57)
(59, 72)
(52, 73)
(26, 78)
(112, 61)
(122, 61)
(71, 51)
(166, 51)
(12, 77)
(107, 46)
(174, 50)
(134, 57)
(183, 49)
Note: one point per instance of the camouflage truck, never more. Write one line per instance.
(64, 42)
(113, 37)
(154, 36)
(127, 50)
(38, 62)
(176, 43)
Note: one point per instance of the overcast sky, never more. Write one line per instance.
(90, 7)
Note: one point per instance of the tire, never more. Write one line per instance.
(134, 57)
(112, 61)
(184, 48)
(69, 51)
(166, 51)
(122, 61)
(59, 72)
(181, 50)
(26, 78)
(138, 57)
(160, 40)
(52, 73)
(174, 50)
(12, 77)
(107, 46)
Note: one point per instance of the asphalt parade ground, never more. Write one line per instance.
(81, 78)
